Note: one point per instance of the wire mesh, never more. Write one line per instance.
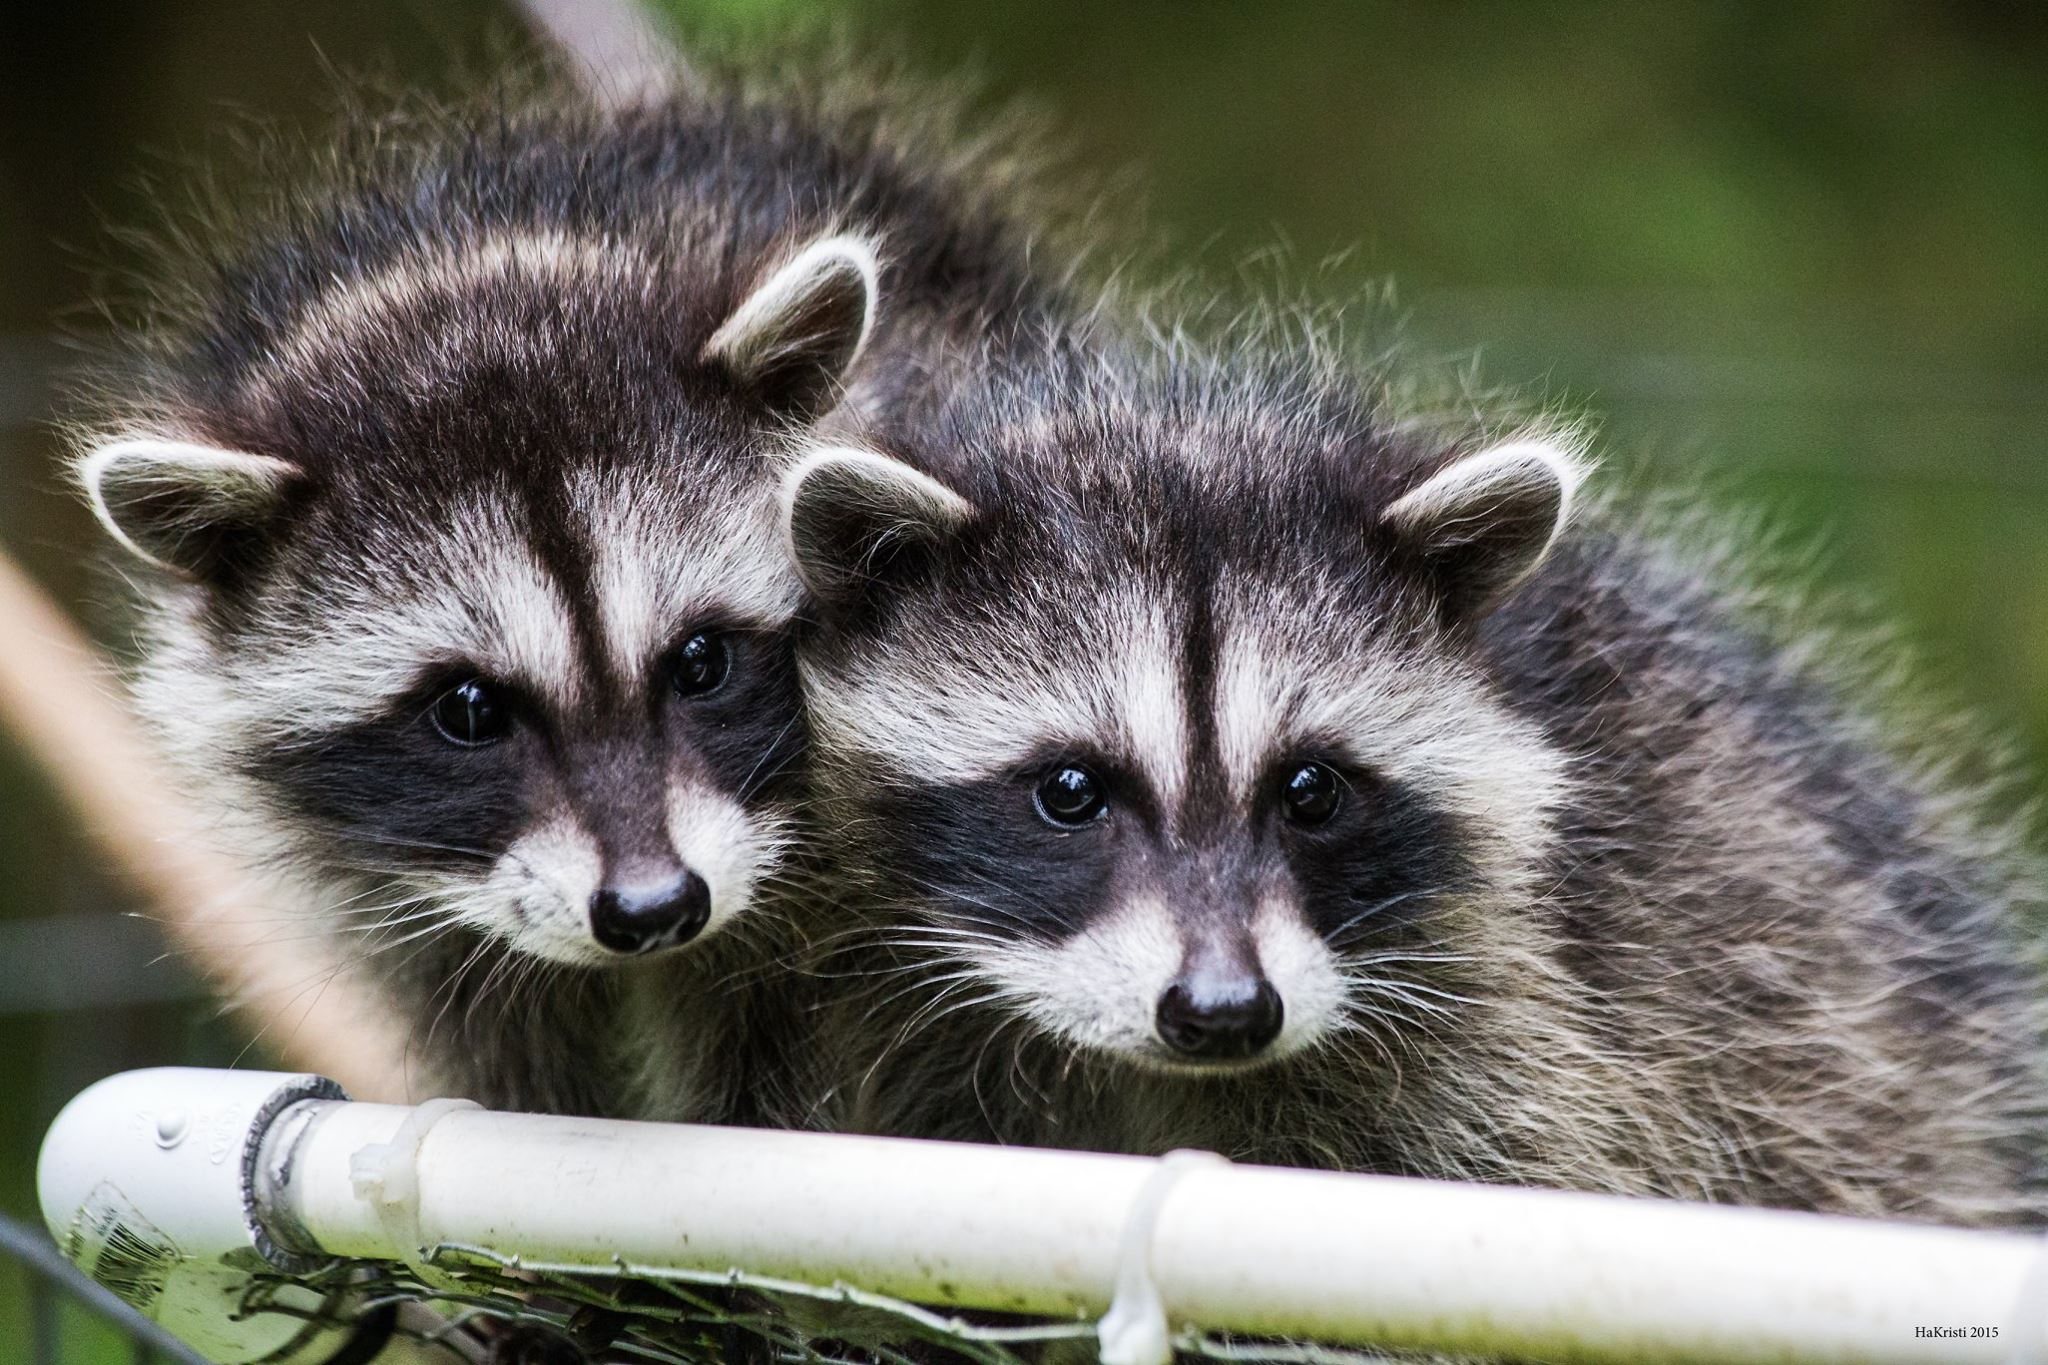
(475, 1304)
(52, 1279)
(483, 1307)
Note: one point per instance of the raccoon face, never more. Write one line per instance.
(479, 609)
(1193, 777)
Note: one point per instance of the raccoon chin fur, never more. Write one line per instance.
(446, 484)
(1216, 760)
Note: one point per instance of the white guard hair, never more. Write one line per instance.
(777, 319)
(1511, 500)
(841, 505)
(160, 499)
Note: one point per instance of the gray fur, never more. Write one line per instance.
(1678, 920)
(503, 395)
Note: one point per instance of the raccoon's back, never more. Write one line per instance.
(700, 186)
(1814, 928)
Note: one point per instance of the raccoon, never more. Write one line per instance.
(449, 489)
(1217, 760)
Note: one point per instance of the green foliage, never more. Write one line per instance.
(1797, 249)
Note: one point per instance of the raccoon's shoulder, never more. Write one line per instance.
(1675, 613)
(1647, 632)
(1696, 675)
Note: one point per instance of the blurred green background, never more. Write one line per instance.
(1801, 247)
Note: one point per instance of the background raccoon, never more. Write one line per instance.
(1222, 763)
(449, 488)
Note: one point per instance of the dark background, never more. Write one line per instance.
(1798, 249)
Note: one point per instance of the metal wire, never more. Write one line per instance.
(632, 1313)
(50, 1275)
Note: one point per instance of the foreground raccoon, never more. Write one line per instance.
(1221, 764)
(451, 493)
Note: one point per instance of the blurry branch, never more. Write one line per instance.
(53, 696)
(619, 51)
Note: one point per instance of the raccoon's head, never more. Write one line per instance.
(1166, 734)
(466, 586)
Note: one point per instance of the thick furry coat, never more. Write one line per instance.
(1622, 892)
(485, 424)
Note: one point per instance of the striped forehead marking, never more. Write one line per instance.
(1416, 716)
(475, 595)
(569, 611)
(349, 314)
(1154, 698)
(666, 561)
(947, 706)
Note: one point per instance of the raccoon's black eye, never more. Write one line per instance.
(1069, 796)
(472, 713)
(1311, 795)
(700, 664)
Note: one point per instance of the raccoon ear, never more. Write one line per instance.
(794, 338)
(1484, 522)
(180, 506)
(849, 515)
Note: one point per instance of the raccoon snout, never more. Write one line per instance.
(1208, 1020)
(639, 919)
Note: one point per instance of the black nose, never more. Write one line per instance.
(638, 919)
(1212, 1023)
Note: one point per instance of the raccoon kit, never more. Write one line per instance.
(1219, 763)
(450, 491)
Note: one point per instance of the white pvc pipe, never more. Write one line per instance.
(1363, 1259)
(145, 1180)
(1335, 1258)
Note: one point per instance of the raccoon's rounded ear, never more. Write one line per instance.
(795, 337)
(183, 507)
(848, 516)
(1482, 523)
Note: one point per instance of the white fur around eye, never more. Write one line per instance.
(477, 595)
(1419, 718)
(970, 705)
(668, 560)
